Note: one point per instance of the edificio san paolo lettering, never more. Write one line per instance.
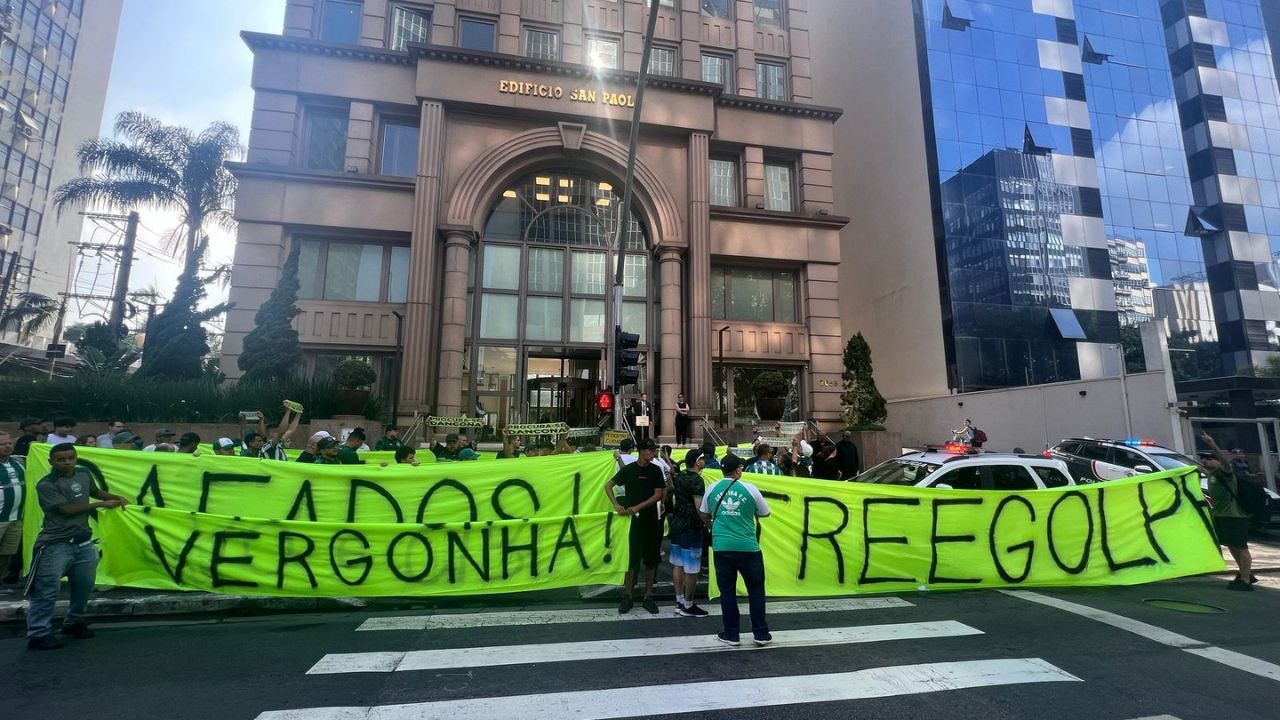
(558, 92)
(227, 525)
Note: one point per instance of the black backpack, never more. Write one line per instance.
(979, 437)
(1250, 495)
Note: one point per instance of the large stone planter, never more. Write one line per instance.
(876, 446)
(771, 409)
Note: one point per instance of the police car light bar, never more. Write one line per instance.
(1135, 442)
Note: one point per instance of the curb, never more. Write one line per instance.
(15, 610)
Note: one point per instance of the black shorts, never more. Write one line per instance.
(1232, 532)
(645, 541)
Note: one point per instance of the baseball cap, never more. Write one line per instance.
(319, 435)
(647, 444)
(223, 443)
(468, 454)
(189, 438)
(451, 437)
(627, 445)
(1237, 451)
(325, 443)
(164, 432)
(692, 457)
(251, 436)
(730, 463)
(124, 437)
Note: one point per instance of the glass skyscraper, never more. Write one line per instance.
(1098, 164)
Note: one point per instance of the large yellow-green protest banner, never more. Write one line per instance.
(230, 525)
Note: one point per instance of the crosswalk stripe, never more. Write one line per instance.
(559, 617)
(492, 656)
(646, 701)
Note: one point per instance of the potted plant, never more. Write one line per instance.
(771, 390)
(353, 378)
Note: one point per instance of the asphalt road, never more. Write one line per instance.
(937, 655)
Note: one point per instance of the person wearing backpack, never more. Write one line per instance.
(1232, 497)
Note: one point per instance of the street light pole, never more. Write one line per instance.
(724, 398)
(1124, 392)
(624, 213)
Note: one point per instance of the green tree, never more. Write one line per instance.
(167, 167)
(1194, 359)
(32, 315)
(97, 336)
(177, 341)
(863, 404)
(271, 349)
(1135, 360)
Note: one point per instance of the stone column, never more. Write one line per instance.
(671, 289)
(453, 319)
(416, 389)
(698, 280)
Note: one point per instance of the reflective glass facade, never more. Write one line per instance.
(1091, 156)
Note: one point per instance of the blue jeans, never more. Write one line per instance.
(76, 562)
(751, 565)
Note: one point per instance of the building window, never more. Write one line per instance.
(753, 295)
(326, 139)
(715, 69)
(768, 12)
(662, 61)
(340, 21)
(724, 182)
(541, 44)
(771, 81)
(602, 53)
(409, 25)
(716, 8)
(476, 34)
(352, 271)
(399, 153)
(777, 187)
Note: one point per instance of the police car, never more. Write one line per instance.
(1095, 460)
(959, 467)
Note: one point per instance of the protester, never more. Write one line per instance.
(626, 453)
(1230, 521)
(107, 439)
(347, 454)
(683, 418)
(390, 439)
(253, 442)
(310, 452)
(826, 466)
(87, 441)
(30, 428)
(64, 548)
(731, 507)
(126, 441)
(163, 436)
(13, 483)
(280, 434)
(641, 488)
(327, 452)
(763, 464)
(510, 444)
(448, 450)
(965, 433)
(166, 447)
(61, 434)
(225, 447)
(1240, 464)
(709, 455)
(685, 532)
(847, 457)
(189, 443)
(406, 456)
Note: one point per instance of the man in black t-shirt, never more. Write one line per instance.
(640, 487)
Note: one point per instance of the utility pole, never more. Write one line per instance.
(624, 213)
(122, 276)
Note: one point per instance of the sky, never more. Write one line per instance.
(183, 61)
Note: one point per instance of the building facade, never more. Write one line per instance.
(1137, 139)
(451, 173)
(55, 61)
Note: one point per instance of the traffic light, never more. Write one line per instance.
(604, 401)
(625, 357)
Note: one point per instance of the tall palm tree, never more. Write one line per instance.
(168, 167)
(31, 315)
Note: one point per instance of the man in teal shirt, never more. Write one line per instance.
(731, 508)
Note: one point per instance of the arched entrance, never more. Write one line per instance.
(539, 300)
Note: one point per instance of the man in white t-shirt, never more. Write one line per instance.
(62, 431)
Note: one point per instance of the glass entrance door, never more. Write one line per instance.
(561, 384)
